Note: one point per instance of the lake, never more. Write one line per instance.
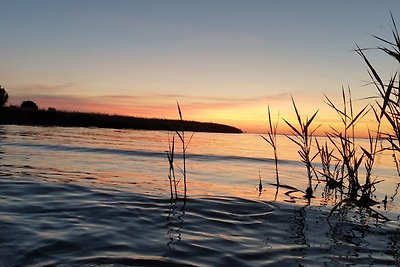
(101, 197)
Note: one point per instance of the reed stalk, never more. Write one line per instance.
(171, 175)
(271, 140)
(185, 143)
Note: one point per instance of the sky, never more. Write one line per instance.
(223, 61)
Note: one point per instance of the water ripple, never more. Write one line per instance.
(45, 224)
(144, 153)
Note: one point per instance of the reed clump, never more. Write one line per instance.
(344, 142)
(346, 165)
(331, 169)
(388, 99)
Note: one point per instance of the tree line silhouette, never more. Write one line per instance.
(29, 114)
(27, 104)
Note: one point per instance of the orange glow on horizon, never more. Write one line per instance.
(249, 115)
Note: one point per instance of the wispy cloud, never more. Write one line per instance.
(45, 89)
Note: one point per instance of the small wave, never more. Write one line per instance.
(144, 153)
(120, 261)
(81, 149)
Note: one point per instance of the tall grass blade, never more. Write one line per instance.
(296, 132)
(388, 93)
(360, 115)
(371, 68)
(310, 120)
(297, 113)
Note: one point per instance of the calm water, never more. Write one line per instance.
(90, 197)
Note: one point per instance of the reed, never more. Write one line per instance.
(370, 155)
(184, 144)
(173, 183)
(271, 140)
(344, 141)
(352, 155)
(331, 168)
(302, 137)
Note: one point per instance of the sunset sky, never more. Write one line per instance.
(223, 61)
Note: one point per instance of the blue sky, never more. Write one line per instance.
(223, 61)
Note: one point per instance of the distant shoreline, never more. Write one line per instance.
(20, 116)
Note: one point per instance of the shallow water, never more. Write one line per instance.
(90, 197)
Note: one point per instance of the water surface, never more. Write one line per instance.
(89, 197)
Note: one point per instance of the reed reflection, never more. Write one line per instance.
(3, 137)
(394, 245)
(396, 191)
(299, 227)
(175, 222)
(331, 195)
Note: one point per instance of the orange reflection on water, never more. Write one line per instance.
(135, 161)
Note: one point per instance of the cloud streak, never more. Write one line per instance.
(45, 89)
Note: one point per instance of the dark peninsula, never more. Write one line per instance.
(52, 117)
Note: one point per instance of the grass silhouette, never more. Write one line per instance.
(302, 137)
(271, 140)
